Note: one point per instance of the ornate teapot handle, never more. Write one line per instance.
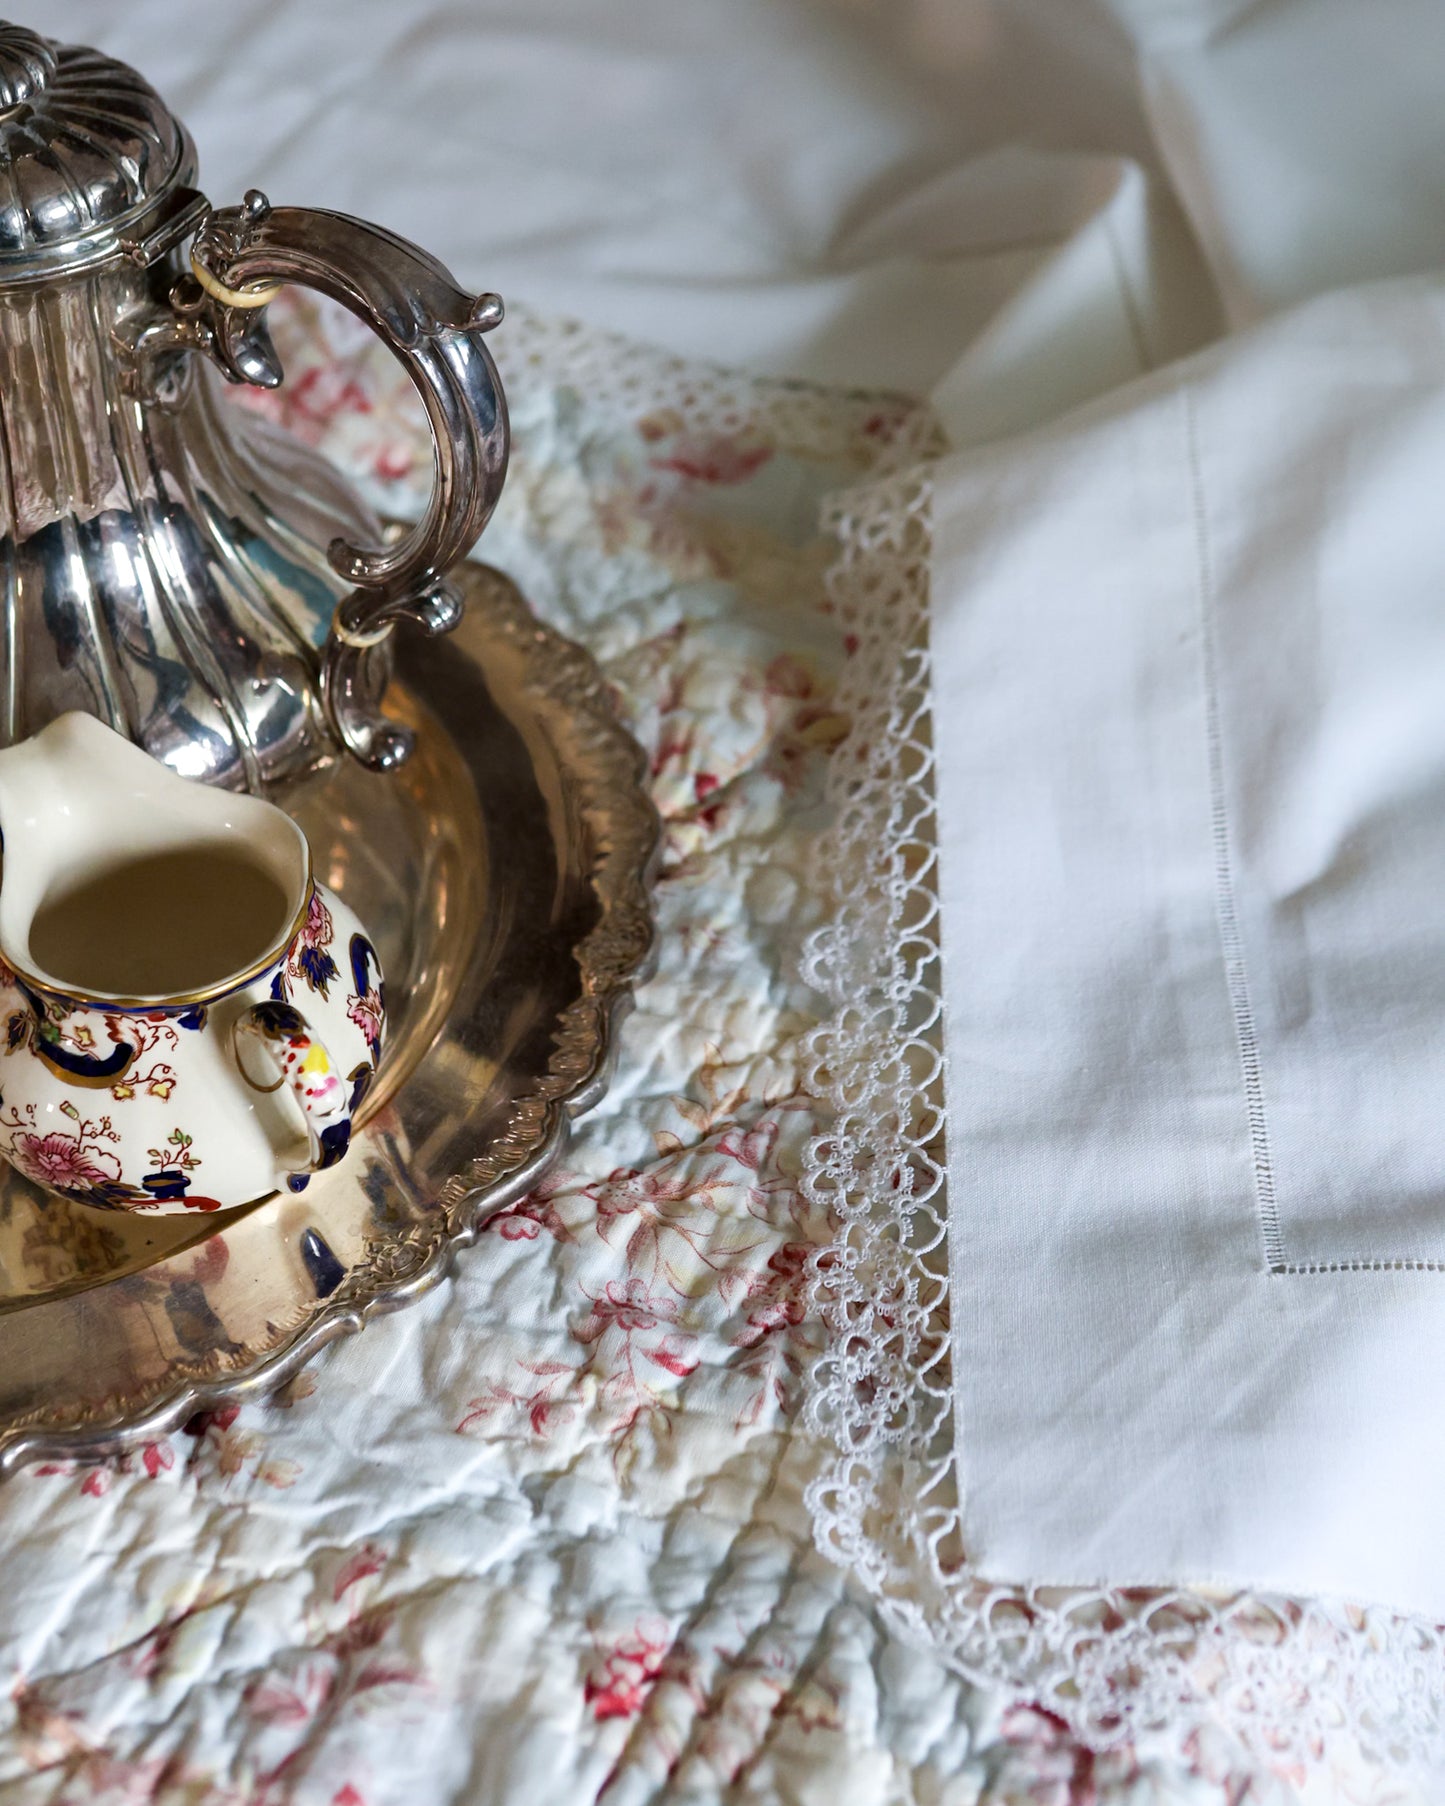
(240, 257)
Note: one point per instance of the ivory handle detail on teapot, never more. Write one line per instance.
(240, 257)
(298, 1059)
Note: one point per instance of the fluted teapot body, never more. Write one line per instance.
(191, 575)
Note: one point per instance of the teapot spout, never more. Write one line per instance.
(78, 800)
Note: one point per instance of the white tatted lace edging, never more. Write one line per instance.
(1295, 1681)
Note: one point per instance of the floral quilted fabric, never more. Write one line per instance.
(542, 1537)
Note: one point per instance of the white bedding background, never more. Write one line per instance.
(1021, 202)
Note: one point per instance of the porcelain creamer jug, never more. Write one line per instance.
(187, 1019)
(199, 580)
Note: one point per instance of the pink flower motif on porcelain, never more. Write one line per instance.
(307, 959)
(63, 1162)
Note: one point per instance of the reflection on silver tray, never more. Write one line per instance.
(504, 871)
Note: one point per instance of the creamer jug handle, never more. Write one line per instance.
(295, 1056)
(239, 258)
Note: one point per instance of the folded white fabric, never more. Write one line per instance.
(1189, 665)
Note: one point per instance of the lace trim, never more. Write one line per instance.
(1298, 1682)
(876, 430)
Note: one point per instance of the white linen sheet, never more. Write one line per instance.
(1189, 669)
(807, 189)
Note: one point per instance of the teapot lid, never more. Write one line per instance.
(89, 156)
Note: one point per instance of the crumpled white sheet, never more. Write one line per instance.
(1023, 202)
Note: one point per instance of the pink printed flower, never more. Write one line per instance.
(365, 1012)
(622, 1678)
(525, 1220)
(791, 677)
(704, 785)
(628, 1307)
(361, 1564)
(779, 1296)
(724, 458)
(1042, 1761)
(393, 463)
(63, 1161)
(310, 403)
(544, 1404)
(157, 1457)
(750, 1147)
(626, 1190)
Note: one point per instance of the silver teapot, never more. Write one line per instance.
(196, 579)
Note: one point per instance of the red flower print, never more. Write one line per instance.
(524, 1220)
(675, 1362)
(750, 1147)
(156, 1457)
(723, 458)
(622, 1677)
(778, 1333)
(632, 1332)
(369, 1559)
(626, 1191)
(393, 463)
(676, 1218)
(1043, 1761)
(790, 677)
(779, 1295)
(284, 1701)
(704, 784)
(309, 403)
(220, 1419)
(626, 1307)
(543, 1404)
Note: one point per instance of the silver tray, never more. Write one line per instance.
(505, 875)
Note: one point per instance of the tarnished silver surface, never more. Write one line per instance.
(213, 590)
(505, 874)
